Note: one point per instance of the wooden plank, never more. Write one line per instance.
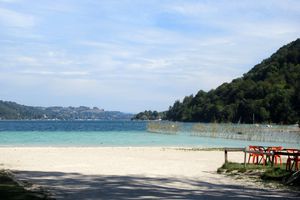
(286, 153)
(259, 152)
(273, 158)
(226, 150)
(226, 156)
(234, 149)
(245, 159)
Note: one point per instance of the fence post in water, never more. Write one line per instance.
(226, 158)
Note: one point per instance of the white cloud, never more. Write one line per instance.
(268, 29)
(9, 1)
(12, 18)
(193, 9)
(27, 60)
(55, 73)
(138, 55)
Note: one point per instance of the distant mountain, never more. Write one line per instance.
(269, 92)
(14, 111)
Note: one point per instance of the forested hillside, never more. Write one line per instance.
(269, 92)
(149, 115)
(14, 111)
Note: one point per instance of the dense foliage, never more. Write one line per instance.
(269, 92)
(12, 110)
(149, 115)
(267, 173)
(12, 190)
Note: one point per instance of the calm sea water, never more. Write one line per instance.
(106, 134)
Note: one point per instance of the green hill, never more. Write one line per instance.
(149, 115)
(269, 92)
(13, 111)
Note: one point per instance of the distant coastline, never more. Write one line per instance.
(14, 111)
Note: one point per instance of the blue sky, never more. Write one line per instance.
(132, 55)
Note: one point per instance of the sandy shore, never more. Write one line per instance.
(130, 173)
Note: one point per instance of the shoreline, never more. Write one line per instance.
(183, 148)
(115, 160)
(131, 172)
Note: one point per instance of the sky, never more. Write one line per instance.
(134, 55)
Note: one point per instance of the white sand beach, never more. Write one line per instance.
(131, 173)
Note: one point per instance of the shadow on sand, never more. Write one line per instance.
(78, 186)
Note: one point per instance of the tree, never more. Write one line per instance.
(269, 92)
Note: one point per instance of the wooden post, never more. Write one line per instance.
(296, 163)
(226, 157)
(245, 158)
(273, 159)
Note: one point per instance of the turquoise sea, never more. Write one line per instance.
(106, 134)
